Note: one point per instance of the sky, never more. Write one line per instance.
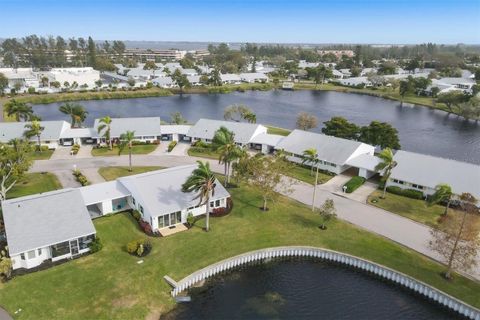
(293, 21)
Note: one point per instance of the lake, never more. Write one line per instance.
(420, 129)
(304, 289)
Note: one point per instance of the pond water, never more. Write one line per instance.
(304, 289)
(420, 129)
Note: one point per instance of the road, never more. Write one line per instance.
(397, 228)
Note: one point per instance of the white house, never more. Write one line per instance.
(423, 173)
(163, 82)
(82, 76)
(21, 77)
(265, 142)
(230, 78)
(451, 84)
(45, 227)
(51, 135)
(333, 153)
(146, 129)
(244, 132)
(252, 77)
(158, 196)
(177, 132)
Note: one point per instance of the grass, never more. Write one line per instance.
(302, 173)
(202, 153)
(136, 149)
(277, 130)
(44, 155)
(111, 285)
(32, 183)
(410, 208)
(112, 173)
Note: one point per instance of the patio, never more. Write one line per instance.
(172, 229)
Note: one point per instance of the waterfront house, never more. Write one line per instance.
(230, 78)
(147, 129)
(333, 153)
(423, 173)
(252, 77)
(48, 226)
(205, 129)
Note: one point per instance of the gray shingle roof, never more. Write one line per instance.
(429, 171)
(365, 161)
(53, 130)
(331, 149)
(45, 219)
(244, 132)
(267, 139)
(160, 192)
(99, 192)
(148, 126)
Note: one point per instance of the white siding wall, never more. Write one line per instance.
(408, 185)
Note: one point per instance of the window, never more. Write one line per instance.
(60, 249)
(39, 252)
(398, 181)
(83, 242)
(31, 254)
(141, 209)
(217, 203)
(211, 204)
(22, 256)
(133, 200)
(417, 186)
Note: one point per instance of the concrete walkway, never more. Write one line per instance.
(397, 228)
(4, 315)
(66, 178)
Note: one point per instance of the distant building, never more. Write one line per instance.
(82, 76)
(155, 53)
(20, 77)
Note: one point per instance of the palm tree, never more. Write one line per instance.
(105, 123)
(310, 157)
(126, 140)
(202, 181)
(443, 192)
(34, 129)
(77, 113)
(250, 117)
(223, 142)
(386, 165)
(20, 110)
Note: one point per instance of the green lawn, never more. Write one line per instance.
(202, 152)
(277, 130)
(33, 183)
(410, 208)
(111, 285)
(302, 173)
(43, 155)
(111, 173)
(137, 149)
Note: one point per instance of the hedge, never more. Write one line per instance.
(409, 193)
(354, 183)
(172, 145)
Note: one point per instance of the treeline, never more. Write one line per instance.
(47, 52)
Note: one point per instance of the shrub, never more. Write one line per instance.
(409, 193)
(96, 245)
(354, 183)
(80, 178)
(31, 90)
(145, 226)
(172, 145)
(191, 219)
(136, 215)
(139, 248)
(201, 144)
(75, 148)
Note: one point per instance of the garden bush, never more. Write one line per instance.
(172, 145)
(139, 248)
(354, 183)
(96, 245)
(409, 193)
(80, 178)
(145, 226)
(201, 144)
(75, 148)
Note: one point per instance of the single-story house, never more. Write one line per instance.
(265, 142)
(205, 129)
(333, 153)
(51, 135)
(158, 196)
(252, 77)
(230, 78)
(177, 132)
(48, 226)
(163, 82)
(104, 198)
(423, 173)
(146, 128)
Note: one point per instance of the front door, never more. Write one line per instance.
(166, 220)
(74, 247)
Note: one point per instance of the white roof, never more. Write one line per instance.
(454, 81)
(147, 126)
(52, 130)
(244, 132)
(175, 128)
(230, 77)
(78, 133)
(45, 219)
(331, 149)
(160, 191)
(365, 161)
(250, 76)
(267, 139)
(99, 192)
(430, 171)
(162, 81)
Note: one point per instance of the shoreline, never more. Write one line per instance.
(159, 92)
